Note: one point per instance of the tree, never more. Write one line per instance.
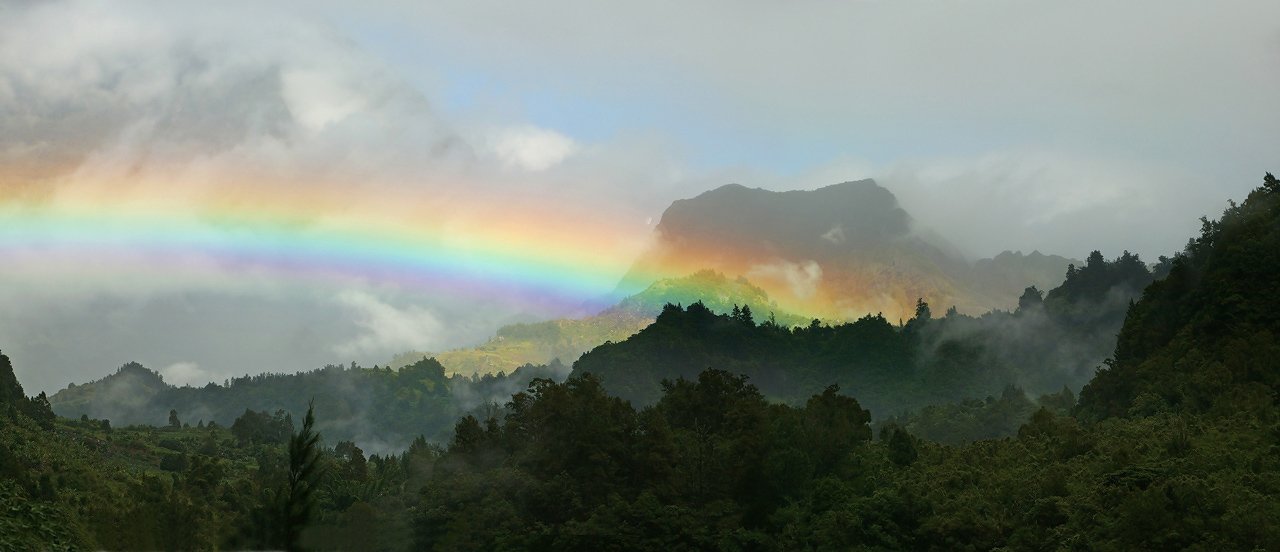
(1095, 259)
(38, 409)
(833, 424)
(173, 419)
(902, 447)
(922, 310)
(355, 467)
(299, 502)
(1032, 298)
(260, 427)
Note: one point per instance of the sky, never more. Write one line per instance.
(215, 190)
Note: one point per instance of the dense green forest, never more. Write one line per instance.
(722, 431)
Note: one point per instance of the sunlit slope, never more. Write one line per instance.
(838, 252)
(567, 339)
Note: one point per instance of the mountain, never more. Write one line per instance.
(567, 339)
(840, 252)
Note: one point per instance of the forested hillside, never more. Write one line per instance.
(1172, 445)
(1173, 448)
(1203, 340)
(1051, 341)
(88, 485)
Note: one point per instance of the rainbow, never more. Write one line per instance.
(528, 258)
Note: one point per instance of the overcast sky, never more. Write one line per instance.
(1063, 127)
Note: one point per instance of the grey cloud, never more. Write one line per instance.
(148, 83)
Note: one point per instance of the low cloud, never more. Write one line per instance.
(802, 278)
(835, 235)
(386, 329)
(1055, 202)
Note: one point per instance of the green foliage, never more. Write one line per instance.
(569, 466)
(712, 465)
(298, 500)
(262, 428)
(32, 525)
(974, 420)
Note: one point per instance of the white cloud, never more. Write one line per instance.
(387, 329)
(531, 148)
(834, 235)
(317, 99)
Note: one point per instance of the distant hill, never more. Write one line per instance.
(842, 251)
(567, 339)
